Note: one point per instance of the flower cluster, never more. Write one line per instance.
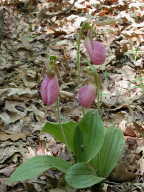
(49, 88)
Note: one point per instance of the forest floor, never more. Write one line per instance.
(30, 32)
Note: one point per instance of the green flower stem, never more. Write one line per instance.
(99, 90)
(60, 122)
(78, 57)
(83, 111)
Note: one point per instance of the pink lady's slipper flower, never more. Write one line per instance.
(87, 95)
(49, 89)
(96, 51)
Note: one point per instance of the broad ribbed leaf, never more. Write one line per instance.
(37, 165)
(89, 136)
(57, 129)
(82, 176)
(110, 153)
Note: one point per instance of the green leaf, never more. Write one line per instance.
(110, 152)
(81, 176)
(55, 129)
(37, 165)
(89, 136)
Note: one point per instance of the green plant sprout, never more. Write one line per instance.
(135, 53)
(139, 83)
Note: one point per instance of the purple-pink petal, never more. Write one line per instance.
(87, 95)
(96, 51)
(49, 89)
(43, 88)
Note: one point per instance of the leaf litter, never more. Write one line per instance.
(29, 34)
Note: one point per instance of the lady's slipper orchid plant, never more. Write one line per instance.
(87, 95)
(96, 51)
(88, 140)
(49, 89)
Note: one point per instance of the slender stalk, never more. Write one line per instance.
(60, 122)
(83, 111)
(78, 57)
(99, 90)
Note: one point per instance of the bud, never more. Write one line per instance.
(87, 95)
(96, 51)
(49, 89)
